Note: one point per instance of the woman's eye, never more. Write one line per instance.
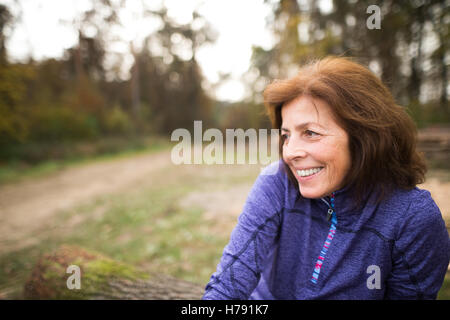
(284, 136)
(311, 133)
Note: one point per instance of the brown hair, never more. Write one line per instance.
(382, 136)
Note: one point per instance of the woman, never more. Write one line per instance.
(342, 217)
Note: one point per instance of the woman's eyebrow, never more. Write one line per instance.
(302, 126)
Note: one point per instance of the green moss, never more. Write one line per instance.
(96, 275)
(49, 277)
(444, 293)
(111, 268)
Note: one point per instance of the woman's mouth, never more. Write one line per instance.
(308, 173)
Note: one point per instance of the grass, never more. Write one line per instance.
(104, 150)
(145, 227)
(444, 293)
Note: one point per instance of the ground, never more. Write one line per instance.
(29, 208)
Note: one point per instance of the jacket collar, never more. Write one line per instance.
(347, 213)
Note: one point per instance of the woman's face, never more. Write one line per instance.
(315, 147)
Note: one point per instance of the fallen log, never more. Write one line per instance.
(101, 278)
(434, 142)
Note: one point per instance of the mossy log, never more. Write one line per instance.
(102, 278)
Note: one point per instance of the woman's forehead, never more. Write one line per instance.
(306, 110)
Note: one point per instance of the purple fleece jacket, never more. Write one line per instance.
(398, 249)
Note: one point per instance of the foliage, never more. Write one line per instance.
(242, 115)
(35, 157)
(117, 121)
(399, 52)
(80, 97)
(13, 120)
(77, 98)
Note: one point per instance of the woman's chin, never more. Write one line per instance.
(311, 193)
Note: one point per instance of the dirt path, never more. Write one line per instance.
(26, 207)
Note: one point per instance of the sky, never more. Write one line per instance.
(239, 25)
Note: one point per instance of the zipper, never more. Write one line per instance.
(330, 210)
(331, 215)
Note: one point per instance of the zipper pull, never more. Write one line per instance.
(330, 214)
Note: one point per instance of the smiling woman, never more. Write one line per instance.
(343, 217)
(316, 148)
(356, 106)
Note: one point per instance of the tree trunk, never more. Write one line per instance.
(101, 278)
(443, 67)
(135, 83)
(415, 79)
(161, 287)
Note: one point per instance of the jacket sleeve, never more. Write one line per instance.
(421, 252)
(239, 269)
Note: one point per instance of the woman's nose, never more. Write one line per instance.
(293, 149)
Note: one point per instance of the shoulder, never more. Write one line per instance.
(414, 202)
(272, 178)
(274, 170)
(421, 247)
(414, 210)
(268, 192)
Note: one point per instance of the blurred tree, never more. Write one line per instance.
(399, 51)
(301, 35)
(13, 79)
(6, 19)
(170, 79)
(440, 13)
(93, 27)
(13, 115)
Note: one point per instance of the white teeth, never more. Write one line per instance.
(305, 173)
